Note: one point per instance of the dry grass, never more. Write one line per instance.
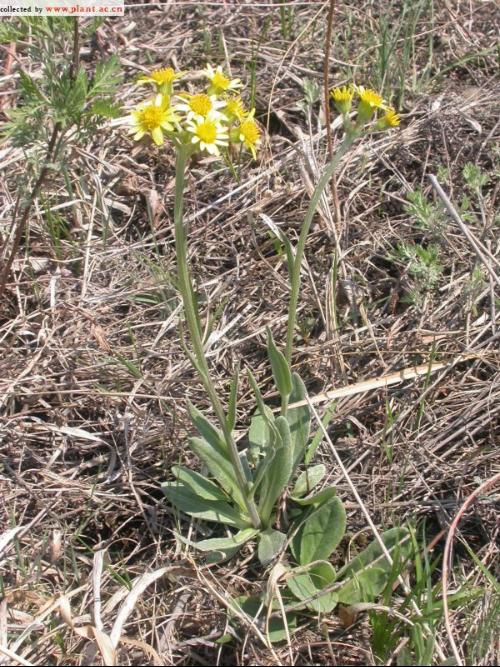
(95, 383)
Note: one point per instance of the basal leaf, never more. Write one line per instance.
(363, 586)
(316, 498)
(395, 540)
(201, 486)
(220, 468)
(308, 479)
(270, 544)
(224, 543)
(207, 430)
(308, 584)
(186, 500)
(299, 419)
(278, 472)
(320, 533)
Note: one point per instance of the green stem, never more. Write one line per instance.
(299, 252)
(192, 321)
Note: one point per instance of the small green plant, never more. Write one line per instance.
(427, 216)
(423, 266)
(64, 105)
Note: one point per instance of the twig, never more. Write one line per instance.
(448, 547)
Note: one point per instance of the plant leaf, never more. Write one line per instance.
(317, 498)
(320, 532)
(201, 486)
(299, 420)
(310, 583)
(363, 586)
(270, 544)
(219, 466)
(207, 430)
(395, 538)
(279, 365)
(259, 434)
(233, 400)
(278, 472)
(186, 500)
(308, 479)
(224, 543)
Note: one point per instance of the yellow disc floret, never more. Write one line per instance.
(342, 98)
(200, 104)
(235, 107)
(389, 120)
(207, 132)
(392, 118)
(249, 133)
(153, 119)
(369, 102)
(163, 79)
(219, 82)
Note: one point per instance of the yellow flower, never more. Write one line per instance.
(219, 82)
(389, 120)
(153, 118)
(369, 102)
(200, 105)
(163, 79)
(208, 133)
(235, 107)
(249, 133)
(342, 98)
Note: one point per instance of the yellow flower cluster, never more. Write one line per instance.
(209, 120)
(369, 104)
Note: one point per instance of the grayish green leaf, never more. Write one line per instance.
(278, 472)
(320, 533)
(281, 371)
(207, 430)
(200, 485)
(220, 468)
(186, 500)
(270, 544)
(299, 419)
(308, 479)
(308, 584)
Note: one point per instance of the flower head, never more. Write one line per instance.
(219, 82)
(369, 102)
(235, 109)
(249, 133)
(163, 79)
(153, 118)
(208, 133)
(389, 120)
(342, 98)
(200, 106)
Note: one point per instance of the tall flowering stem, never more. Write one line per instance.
(192, 321)
(299, 252)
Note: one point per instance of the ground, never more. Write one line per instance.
(95, 382)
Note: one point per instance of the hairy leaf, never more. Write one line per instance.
(186, 500)
(270, 544)
(308, 479)
(320, 533)
(308, 584)
(281, 371)
(299, 420)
